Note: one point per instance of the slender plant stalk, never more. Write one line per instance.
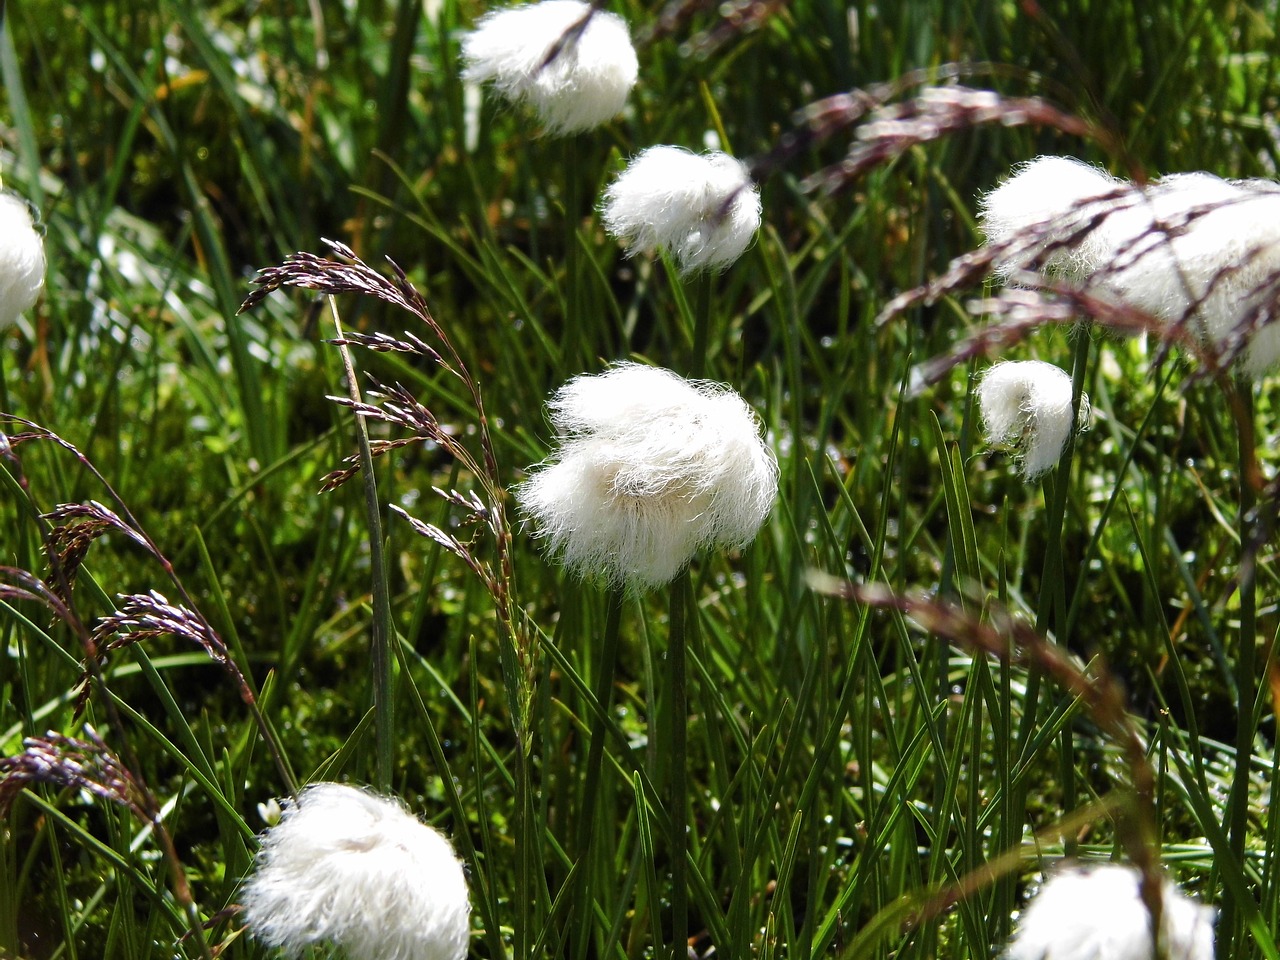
(575, 350)
(394, 93)
(589, 802)
(1237, 810)
(677, 726)
(1052, 606)
(526, 858)
(383, 689)
(1053, 600)
(677, 757)
(701, 327)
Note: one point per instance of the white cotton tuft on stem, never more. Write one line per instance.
(650, 469)
(1027, 404)
(1188, 247)
(1097, 913)
(1198, 248)
(584, 85)
(702, 208)
(1055, 197)
(22, 262)
(346, 867)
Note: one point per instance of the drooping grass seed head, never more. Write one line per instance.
(589, 74)
(1097, 913)
(1027, 404)
(702, 208)
(650, 469)
(22, 262)
(346, 867)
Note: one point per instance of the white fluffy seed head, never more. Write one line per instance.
(346, 867)
(1189, 246)
(1027, 404)
(22, 261)
(651, 468)
(1097, 913)
(1201, 248)
(1051, 197)
(702, 208)
(586, 84)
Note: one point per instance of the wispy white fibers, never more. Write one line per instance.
(1097, 913)
(346, 867)
(702, 208)
(650, 469)
(1201, 248)
(1188, 246)
(587, 82)
(1052, 198)
(22, 261)
(1027, 403)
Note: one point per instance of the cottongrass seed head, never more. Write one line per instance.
(356, 870)
(1027, 404)
(584, 85)
(651, 468)
(1051, 196)
(1097, 913)
(1187, 247)
(702, 208)
(22, 261)
(1197, 248)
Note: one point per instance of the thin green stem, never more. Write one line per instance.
(575, 350)
(1237, 810)
(589, 801)
(383, 690)
(1052, 606)
(701, 326)
(1053, 596)
(526, 858)
(677, 757)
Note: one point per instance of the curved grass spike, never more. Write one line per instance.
(394, 405)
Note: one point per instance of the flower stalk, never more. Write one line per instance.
(382, 628)
(589, 802)
(1236, 813)
(676, 729)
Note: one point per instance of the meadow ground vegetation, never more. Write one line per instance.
(721, 489)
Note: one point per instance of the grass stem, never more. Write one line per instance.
(1237, 807)
(382, 654)
(589, 801)
(702, 320)
(677, 729)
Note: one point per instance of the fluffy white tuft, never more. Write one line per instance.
(21, 259)
(1189, 246)
(1027, 403)
(1097, 913)
(1201, 248)
(356, 870)
(1051, 197)
(586, 84)
(702, 208)
(651, 468)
